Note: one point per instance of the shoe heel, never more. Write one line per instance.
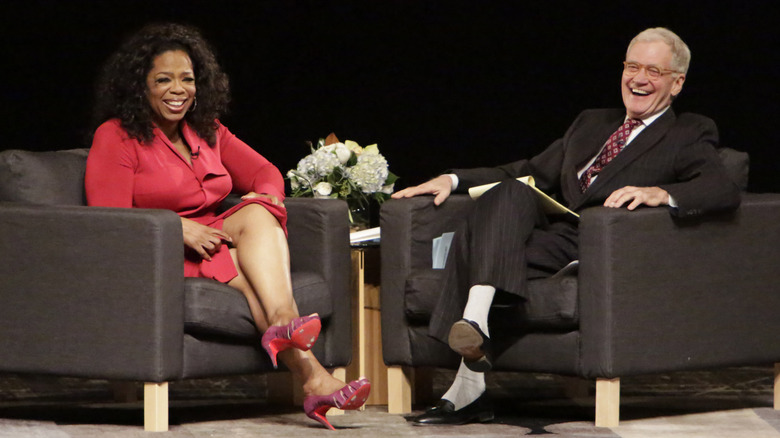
(350, 397)
(319, 414)
(274, 347)
(481, 365)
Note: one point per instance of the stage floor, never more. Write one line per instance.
(733, 402)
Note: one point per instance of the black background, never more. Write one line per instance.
(436, 84)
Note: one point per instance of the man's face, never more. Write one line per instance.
(643, 95)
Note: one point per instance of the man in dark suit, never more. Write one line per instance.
(643, 154)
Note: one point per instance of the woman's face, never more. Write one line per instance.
(170, 88)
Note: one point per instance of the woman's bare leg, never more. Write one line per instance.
(262, 258)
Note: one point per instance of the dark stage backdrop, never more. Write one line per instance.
(436, 84)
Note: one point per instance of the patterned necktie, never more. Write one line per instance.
(612, 147)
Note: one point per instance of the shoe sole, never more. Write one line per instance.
(465, 340)
(306, 335)
(482, 417)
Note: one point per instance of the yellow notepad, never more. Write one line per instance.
(550, 205)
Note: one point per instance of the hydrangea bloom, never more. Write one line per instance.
(370, 172)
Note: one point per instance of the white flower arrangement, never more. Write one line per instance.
(343, 171)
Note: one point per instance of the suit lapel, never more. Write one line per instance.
(646, 139)
(592, 142)
(595, 141)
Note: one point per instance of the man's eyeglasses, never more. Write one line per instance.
(633, 68)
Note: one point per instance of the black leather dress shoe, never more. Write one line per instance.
(444, 413)
(468, 340)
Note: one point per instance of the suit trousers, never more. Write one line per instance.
(505, 241)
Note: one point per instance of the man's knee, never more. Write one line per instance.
(507, 190)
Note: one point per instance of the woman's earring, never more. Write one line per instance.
(194, 104)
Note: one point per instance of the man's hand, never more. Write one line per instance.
(440, 187)
(204, 240)
(650, 196)
(274, 199)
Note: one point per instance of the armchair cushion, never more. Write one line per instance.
(54, 178)
(213, 308)
(551, 303)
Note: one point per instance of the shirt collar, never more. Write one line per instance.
(648, 120)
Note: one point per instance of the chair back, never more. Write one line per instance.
(737, 166)
(57, 177)
(54, 178)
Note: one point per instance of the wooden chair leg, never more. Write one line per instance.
(777, 386)
(607, 402)
(399, 389)
(156, 407)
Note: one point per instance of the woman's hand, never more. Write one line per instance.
(206, 241)
(274, 199)
(440, 187)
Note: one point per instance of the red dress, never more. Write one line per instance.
(123, 172)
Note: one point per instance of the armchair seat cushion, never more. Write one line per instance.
(550, 304)
(213, 308)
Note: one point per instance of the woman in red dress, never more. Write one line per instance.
(160, 145)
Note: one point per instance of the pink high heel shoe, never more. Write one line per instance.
(300, 333)
(350, 397)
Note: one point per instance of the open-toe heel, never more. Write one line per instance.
(351, 396)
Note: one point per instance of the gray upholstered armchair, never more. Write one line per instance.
(99, 292)
(649, 294)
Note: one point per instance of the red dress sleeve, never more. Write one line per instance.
(110, 167)
(250, 171)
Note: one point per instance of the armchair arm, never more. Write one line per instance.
(92, 292)
(319, 242)
(408, 229)
(658, 294)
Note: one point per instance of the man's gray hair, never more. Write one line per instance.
(681, 54)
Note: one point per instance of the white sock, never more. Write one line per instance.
(467, 387)
(478, 305)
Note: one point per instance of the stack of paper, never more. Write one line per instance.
(441, 247)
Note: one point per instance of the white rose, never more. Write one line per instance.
(322, 190)
(341, 151)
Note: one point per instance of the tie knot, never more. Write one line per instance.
(632, 123)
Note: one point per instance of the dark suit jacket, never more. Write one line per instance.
(675, 153)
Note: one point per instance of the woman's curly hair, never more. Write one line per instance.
(122, 89)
